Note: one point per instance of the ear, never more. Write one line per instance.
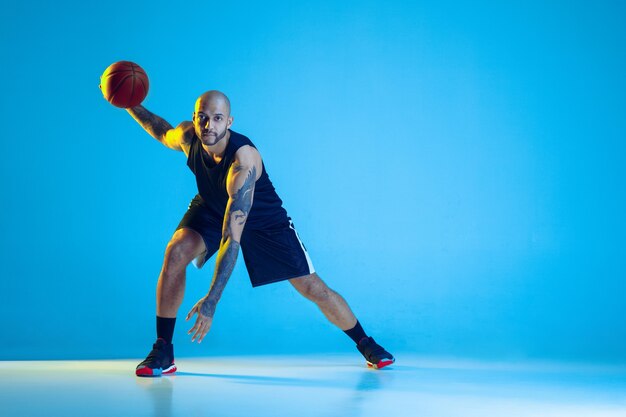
(230, 121)
(193, 116)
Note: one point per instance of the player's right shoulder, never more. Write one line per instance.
(187, 131)
(180, 137)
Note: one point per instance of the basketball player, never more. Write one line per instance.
(236, 207)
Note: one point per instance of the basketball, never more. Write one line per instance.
(124, 84)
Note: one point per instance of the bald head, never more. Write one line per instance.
(213, 101)
(211, 118)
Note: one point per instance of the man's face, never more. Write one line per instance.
(211, 120)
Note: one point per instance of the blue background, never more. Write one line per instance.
(456, 170)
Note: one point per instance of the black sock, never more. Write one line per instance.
(356, 333)
(165, 328)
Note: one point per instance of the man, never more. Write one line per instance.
(236, 207)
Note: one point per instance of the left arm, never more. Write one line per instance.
(244, 172)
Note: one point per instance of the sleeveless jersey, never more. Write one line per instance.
(267, 210)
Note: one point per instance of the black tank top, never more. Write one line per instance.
(267, 208)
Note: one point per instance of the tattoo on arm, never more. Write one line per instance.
(229, 248)
(226, 258)
(153, 124)
(242, 200)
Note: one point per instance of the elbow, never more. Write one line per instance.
(230, 240)
(232, 232)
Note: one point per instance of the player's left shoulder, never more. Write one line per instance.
(249, 156)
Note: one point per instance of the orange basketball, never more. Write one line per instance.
(124, 84)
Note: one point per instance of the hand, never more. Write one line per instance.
(203, 321)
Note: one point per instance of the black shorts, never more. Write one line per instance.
(271, 255)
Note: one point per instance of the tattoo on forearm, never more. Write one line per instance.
(153, 124)
(226, 259)
(242, 200)
(229, 248)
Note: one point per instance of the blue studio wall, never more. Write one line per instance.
(456, 170)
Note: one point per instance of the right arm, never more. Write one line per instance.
(178, 138)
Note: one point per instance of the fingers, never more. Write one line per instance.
(193, 311)
(195, 327)
(200, 328)
(203, 332)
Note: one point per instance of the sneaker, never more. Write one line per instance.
(160, 361)
(375, 355)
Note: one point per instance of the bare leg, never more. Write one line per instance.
(184, 246)
(331, 303)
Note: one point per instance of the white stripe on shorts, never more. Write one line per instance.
(306, 254)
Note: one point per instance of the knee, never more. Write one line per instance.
(177, 254)
(316, 291)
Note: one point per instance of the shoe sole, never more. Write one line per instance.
(381, 364)
(149, 372)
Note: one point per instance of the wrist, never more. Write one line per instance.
(208, 308)
(212, 300)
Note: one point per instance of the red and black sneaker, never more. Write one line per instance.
(375, 355)
(160, 360)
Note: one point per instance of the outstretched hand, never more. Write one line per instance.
(203, 321)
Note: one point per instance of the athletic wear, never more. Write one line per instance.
(200, 219)
(160, 360)
(267, 210)
(271, 254)
(356, 333)
(165, 328)
(375, 355)
(271, 247)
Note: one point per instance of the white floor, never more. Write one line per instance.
(300, 386)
